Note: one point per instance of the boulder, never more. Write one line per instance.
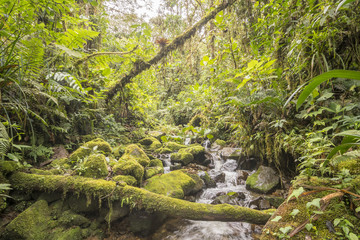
(264, 180)
(241, 176)
(94, 166)
(156, 163)
(209, 183)
(152, 171)
(135, 152)
(129, 167)
(260, 203)
(232, 198)
(219, 178)
(129, 180)
(197, 151)
(33, 223)
(85, 150)
(143, 223)
(175, 184)
(69, 219)
(182, 157)
(230, 153)
(150, 143)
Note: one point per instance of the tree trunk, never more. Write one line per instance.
(140, 198)
(140, 66)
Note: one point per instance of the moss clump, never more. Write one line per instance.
(72, 233)
(156, 163)
(69, 219)
(95, 166)
(9, 167)
(86, 149)
(129, 180)
(182, 157)
(220, 142)
(352, 165)
(152, 171)
(46, 172)
(163, 150)
(63, 163)
(135, 152)
(129, 167)
(175, 184)
(209, 182)
(174, 146)
(197, 151)
(150, 143)
(118, 151)
(33, 223)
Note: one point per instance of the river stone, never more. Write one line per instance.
(264, 180)
(219, 177)
(260, 203)
(228, 152)
(241, 176)
(209, 183)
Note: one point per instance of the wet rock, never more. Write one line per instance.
(228, 152)
(264, 180)
(230, 165)
(241, 176)
(118, 211)
(260, 203)
(144, 223)
(176, 166)
(232, 198)
(219, 178)
(209, 183)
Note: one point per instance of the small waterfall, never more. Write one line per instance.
(187, 141)
(194, 230)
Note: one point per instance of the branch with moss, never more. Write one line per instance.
(84, 59)
(174, 44)
(141, 198)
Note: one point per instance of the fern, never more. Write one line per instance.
(4, 141)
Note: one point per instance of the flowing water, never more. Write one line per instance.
(194, 230)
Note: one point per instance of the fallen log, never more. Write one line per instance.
(138, 198)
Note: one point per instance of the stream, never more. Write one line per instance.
(214, 230)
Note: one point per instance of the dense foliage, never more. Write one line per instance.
(237, 79)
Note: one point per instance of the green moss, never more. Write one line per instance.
(156, 163)
(152, 171)
(150, 143)
(69, 219)
(86, 149)
(352, 165)
(174, 146)
(197, 151)
(7, 167)
(209, 182)
(255, 182)
(220, 142)
(33, 223)
(174, 184)
(135, 152)
(164, 150)
(129, 180)
(72, 233)
(118, 151)
(129, 166)
(40, 171)
(95, 166)
(61, 163)
(182, 157)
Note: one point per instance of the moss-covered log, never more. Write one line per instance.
(140, 198)
(140, 66)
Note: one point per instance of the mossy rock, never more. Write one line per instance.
(220, 142)
(129, 180)
(82, 203)
(164, 150)
(264, 180)
(175, 184)
(119, 151)
(135, 152)
(129, 167)
(174, 146)
(69, 219)
(197, 151)
(33, 223)
(7, 167)
(209, 182)
(150, 143)
(152, 171)
(47, 172)
(86, 149)
(156, 134)
(72, 233)
(353, 165)
(156, 163)
(95, 166)
(182, 157)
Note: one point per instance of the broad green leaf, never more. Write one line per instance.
(296, 193)
(309, 226)
(209, 136)
(285, 230)
(316, 81)
(353, 133)
(343, 3)
(357, 209)
(276, 219)
(336, 221)
(294, 212)
(352, 236)
(315, 202)
(252, 64)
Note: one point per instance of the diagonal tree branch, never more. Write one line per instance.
(140, 66)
